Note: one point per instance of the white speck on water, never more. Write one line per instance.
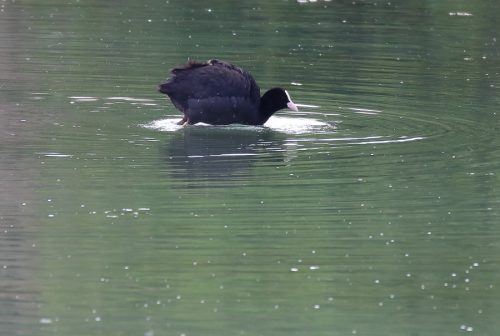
(466, 328)
(316, 306)
(314, 267)
(45, 320)
(294, 269)
(459, 14)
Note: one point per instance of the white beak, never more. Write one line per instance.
(292, 106)
(290, 103)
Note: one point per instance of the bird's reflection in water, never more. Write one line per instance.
(217, 154)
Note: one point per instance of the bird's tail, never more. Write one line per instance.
(164, 88)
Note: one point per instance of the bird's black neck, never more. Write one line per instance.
(268, 106)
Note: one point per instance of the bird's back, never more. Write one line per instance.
(213, 91)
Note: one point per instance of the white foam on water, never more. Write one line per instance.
(282, 124)
(131, 99)
(164, 125)
(80, 99)
(459, 14)
(292, 125)
(364, 110)
(56, 155)
(389, 141)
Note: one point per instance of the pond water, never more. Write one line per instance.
(372, 211)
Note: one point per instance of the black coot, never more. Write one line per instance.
(219, 93)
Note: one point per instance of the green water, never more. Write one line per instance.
(373, 211)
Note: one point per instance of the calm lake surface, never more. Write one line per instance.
(373, 211)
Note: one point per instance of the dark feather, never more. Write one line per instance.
(214, 92)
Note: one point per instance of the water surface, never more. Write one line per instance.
(373, 211)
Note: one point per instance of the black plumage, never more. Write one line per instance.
(219, 93)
